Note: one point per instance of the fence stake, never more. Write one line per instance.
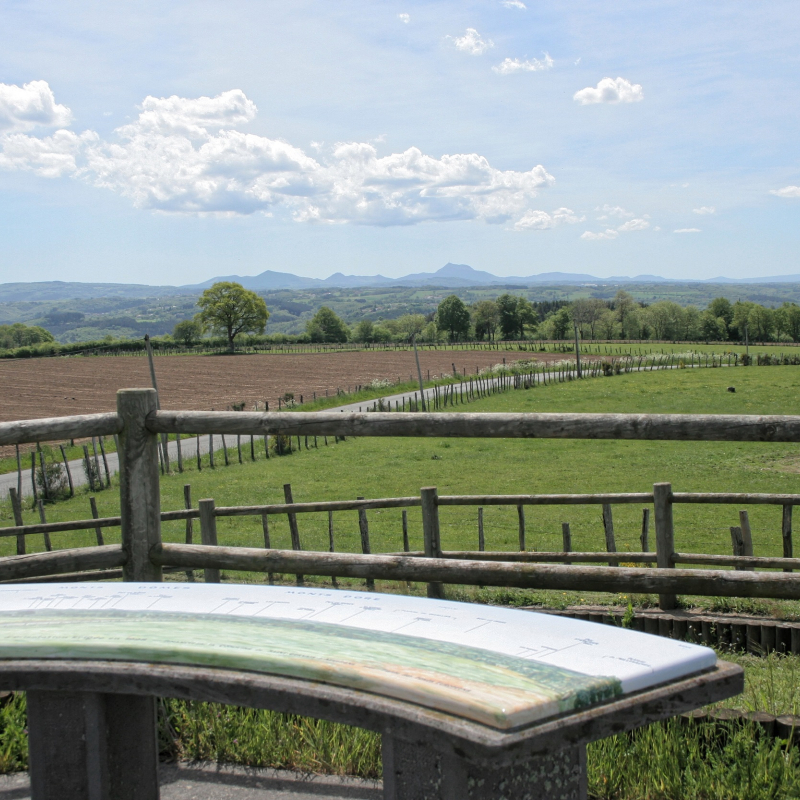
(363, 527)
(33, 476)
(252, 448)
(87, 465)
(19, 472)
(199, 463)
(208, 534)
(481, 539)
(180, 454)
(187, 503)
(211, 450)
(747, 536)
(43, 519)
(331, 546)
(665, 537)
(239, 447)
(225, 450)
(786, 531)
(645, 535)
(737, 540)
(293, 530)
(267, 545)
(566, 539)
(16, 507)
(521, 526)
(105, 461)
(98, 531)
(430, 532)
(69, 473)
(97, 463)
(140, 501)
(608, 527)
(45, 482)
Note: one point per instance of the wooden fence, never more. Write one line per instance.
(143, 556)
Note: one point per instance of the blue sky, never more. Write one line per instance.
(169, 142)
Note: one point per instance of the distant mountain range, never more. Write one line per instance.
(449, 276)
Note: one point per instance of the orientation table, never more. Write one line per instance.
(472, 701)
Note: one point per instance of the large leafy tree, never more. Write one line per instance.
(327, 326)
(453, 316)
(485, 318)
(230, 309)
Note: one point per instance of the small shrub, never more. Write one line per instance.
(745, 359)
(281, 445)
(56, 486)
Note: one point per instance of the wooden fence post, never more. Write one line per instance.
(187, 504)
(16, 507)
(521, 526)
(481, 539)
(430, 532)
(69, 473)
(98, 531)
(208, 534)
(180, 454)
(737, 541)
(139, 498)
(293, 529)
(665, 537)
(608, 528)
(644, 538)
(747, 536)
(363, 528)
(33, 476)
(105, 461)
(786, 532)
(87, 465)
(48, 546)
(331, 546)
(566, 539)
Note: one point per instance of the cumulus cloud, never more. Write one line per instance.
(183, 155)
(609, 233)
(541, 220)
(404, 18)
(705, 210)
(614, 211)
(610, 90)
(514, 4)
(634, 225)
(472, 43)
(787, 191)
(509, 65)
(686, 230)
(23, 108)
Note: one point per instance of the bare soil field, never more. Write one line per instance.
(52, 387)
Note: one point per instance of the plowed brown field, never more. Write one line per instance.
(52, 387)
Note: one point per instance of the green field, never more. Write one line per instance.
(399, 467)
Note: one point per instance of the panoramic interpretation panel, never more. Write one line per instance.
(497, 666)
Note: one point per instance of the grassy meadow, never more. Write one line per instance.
(662, 762)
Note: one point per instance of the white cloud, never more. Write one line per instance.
(610, 90)
(509, 65)
(24, 108)
(609, 233)
(541, 220)
(634, 225)
(703, 210)
(472, 43)
(181, 155)
(614, 211)
(787, 191)
(404, 18)
(514, 4)
(686, 230)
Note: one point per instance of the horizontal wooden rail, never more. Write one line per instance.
(59, 562)
(54, 428)
(675, 427)
(330, 505)
(737, 498)
(542, 499)
(764, 562)
(545, 557)
(717, 583)
(57, 527)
